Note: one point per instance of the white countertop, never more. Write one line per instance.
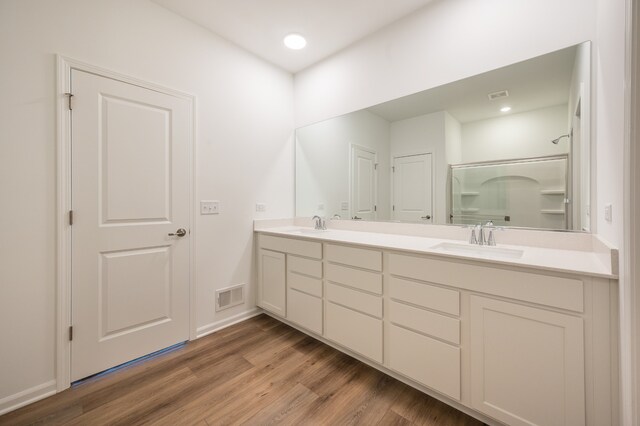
(558, 260)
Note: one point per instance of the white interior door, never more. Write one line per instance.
(130, 190)
(412, 188)
(363, 183)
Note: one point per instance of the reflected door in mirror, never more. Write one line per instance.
(412, 188)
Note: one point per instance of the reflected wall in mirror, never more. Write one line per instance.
(511, 145)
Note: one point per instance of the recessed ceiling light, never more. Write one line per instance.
(505, 109)
(295, 41)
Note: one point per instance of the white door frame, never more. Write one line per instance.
(63, 185)
(629, 288)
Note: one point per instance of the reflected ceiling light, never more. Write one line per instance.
(505, 109)
(295, 41)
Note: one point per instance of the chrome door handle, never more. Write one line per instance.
(179, 233)
(427, 217)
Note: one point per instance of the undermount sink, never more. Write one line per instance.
(309, 231)
(476, 250)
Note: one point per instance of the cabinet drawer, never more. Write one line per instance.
(425, 360)
(565, 293)
(310, 267)
(292, 246)
(428, 296)
(358, 332)
(360, 258)
(356, 278)
(312, 286)
(354, 299)
(426, 322)
(304, 310)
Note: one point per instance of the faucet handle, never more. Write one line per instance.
(491, 241)
(473, 239)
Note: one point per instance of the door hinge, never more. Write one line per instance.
(393, 169)
(375, 208)
(394, 208)
(375, 166)
(70, 217)
(69, 100)
(70, 333)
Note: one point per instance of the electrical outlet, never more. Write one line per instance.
(210, 207)
(344, 206)
(261, 207)
(608, 213)
(321, 206)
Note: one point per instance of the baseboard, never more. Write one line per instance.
(219, 325)
(27, 396)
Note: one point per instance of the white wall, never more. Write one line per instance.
(446, 41)
(609, 68)
(244, 147)
(453, 138)
(422, 134)
(323, 153)
(453, 39)
(580, 92)
(510, 136)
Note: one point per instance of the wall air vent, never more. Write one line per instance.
(230, 296)
(498, 95)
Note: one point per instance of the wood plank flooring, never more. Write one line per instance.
(258, 372)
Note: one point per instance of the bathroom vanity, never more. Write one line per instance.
(516, 334)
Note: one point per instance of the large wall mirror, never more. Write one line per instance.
(511, 146)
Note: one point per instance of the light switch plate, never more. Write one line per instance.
(344, 205)
(608, 213)
(210, 207)
(261, 207)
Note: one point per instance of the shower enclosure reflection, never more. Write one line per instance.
(526, 193)
(510, 145)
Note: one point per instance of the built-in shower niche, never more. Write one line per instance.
(529, 193)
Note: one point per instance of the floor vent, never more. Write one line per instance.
(230, 296)
(498, 95)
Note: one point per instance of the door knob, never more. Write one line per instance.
(427, 217)
(179, 233)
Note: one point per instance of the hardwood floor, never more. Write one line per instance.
(257, 372)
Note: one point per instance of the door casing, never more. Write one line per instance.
(63, 199)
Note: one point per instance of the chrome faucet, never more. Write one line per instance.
(320, 224)
(477, 234)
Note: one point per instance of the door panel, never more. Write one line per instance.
(412, 188)
(130, 189)
(143, 193)
(527, 364)
(363, 183)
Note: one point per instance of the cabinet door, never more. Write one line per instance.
(272, 281)
(527, 364)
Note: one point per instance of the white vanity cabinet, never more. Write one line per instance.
(527, 364)
(272, 282)
(304, 292)
(424, 318)
(288, 279)
(353, 287)
(512, 344)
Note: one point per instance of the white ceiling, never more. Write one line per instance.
(260, 25)
(536, 83)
